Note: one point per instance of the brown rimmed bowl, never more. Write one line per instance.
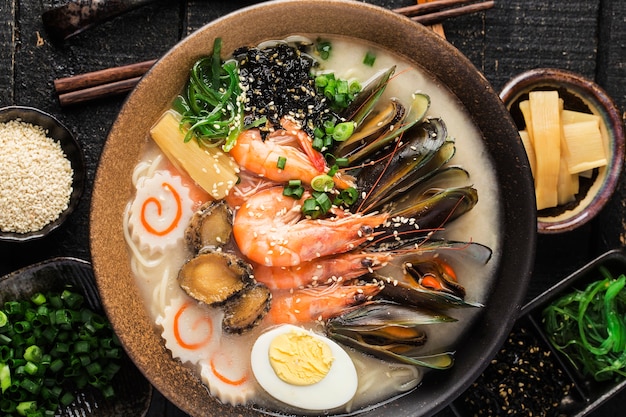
(579, 94)
(359, 20)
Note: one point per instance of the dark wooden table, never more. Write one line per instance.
(584, 36)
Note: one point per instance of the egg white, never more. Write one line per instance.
(337, 388)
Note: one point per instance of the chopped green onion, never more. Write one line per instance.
(369, 59)
(33, 354)
(343, 131)
(38, 298)
(322, 182)
(50, 345)
(294, 189)
(310, 208)
(4, 320)
(323, 48)
(5, 377)
(280, 164)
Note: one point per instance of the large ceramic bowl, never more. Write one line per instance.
(266, 21)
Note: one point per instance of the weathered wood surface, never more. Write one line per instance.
(584, 36)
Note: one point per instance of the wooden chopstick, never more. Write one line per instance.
(437, 27)
(113, 81)
(105, 76)
(98, 91)
(440, 16)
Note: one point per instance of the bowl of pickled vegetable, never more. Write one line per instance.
(573, 134)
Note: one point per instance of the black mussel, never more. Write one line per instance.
(210, 227)
(367, 99)
(378, 180)
(435, 207)
(406, 290)
(383, 128)
(213, 277)
(389, 330)
(247, 309)
(377, 124)
(436, 274)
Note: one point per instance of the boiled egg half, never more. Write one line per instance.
(303, 369)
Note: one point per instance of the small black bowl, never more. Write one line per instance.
(58, 132)
(133, 393)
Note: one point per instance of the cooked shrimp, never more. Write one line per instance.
(248, 185)
(261, 157)
(305, 141)
(271, 230)
(322, 271)
(319, 303)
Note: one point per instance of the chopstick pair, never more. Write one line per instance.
(437, 11)
(100, 84)
(113, 81)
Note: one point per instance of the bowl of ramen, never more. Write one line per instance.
(311, 207)
(588, 155)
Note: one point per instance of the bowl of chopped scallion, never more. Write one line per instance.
(58, 353)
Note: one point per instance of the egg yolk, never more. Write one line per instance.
(299, 358)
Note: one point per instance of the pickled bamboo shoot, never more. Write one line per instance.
(562, 145)
(584, 141)
(210, 167)
(546, 128)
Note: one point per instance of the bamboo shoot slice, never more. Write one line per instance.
(546, 127)
(585, 145)
(571, 116)
(530, 150)
(211, 168)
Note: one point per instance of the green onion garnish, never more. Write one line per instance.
(322, 183)
(369, 59)
(50, 345)
(343, 131)
(280, 164)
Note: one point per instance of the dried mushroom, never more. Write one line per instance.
(210, 227)
(248, 309)
(214, 276)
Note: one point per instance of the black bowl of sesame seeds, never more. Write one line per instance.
(42, 173)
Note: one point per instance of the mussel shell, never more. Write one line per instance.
(407, 291)
(373, 128)
(378, 314)
(379, 180)
(413, 355)
(434, 268)
(367, 99)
